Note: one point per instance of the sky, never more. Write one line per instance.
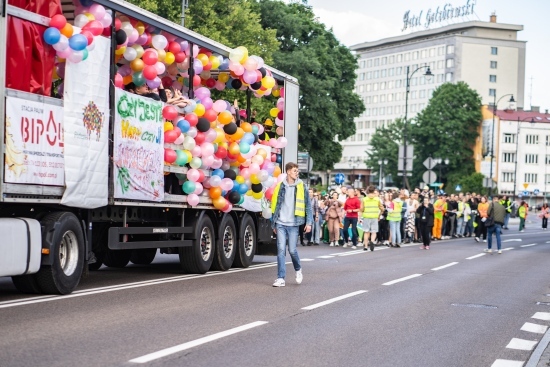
(356, 21)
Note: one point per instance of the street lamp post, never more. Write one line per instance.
(427, 74)
(517, 153)
(353, 163)
(495, 103)
(381, 163)
(440, 162)
(328, 178)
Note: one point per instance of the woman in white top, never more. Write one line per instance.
(412, 206)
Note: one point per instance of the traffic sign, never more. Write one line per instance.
(458, 188)
(487, 182)
(339, 178)
(525, 193)
(525, 185)
(429, 176)
(408, 174)
(429, 163)
(305, 162)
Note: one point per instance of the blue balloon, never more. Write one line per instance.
(243, 188)
(218, 172)
(184, 125)
(279, 158)
(228, 84)
(248, 138)
(224, 65)
(52, 36)
(78, 42)
(86, 3)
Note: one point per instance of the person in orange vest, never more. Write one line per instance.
(440, 207)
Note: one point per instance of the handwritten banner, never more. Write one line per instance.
(138, 154)
(34, 144)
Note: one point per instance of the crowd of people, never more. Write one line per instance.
(394, 217)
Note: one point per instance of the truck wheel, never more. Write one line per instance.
(26, 284)
(63, 231)
(198, 258)
(143, 256)
(117, 258)
(247, 243)
(226, 245)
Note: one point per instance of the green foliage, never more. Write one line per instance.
(326, 72)
(168, 9)
(448, 128)
(385, 145)
(468, 183)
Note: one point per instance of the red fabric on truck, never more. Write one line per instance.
(29, 60)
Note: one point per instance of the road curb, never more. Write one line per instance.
(541, 348)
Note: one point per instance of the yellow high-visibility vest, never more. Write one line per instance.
(300, 207)
(371, 207)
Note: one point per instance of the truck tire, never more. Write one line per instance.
(198, 258)
(117, 258)
(247, 243)
(143, 256)
(26, 284)
(66, 242)
(226, 245)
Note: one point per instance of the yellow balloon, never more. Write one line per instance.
(162, 55)
(254, 178)
(244, 50)
(240, 179)
(139, 51)
(168, 126)
(140, 28)
(268, 82)
(199, 109)
(223, 77)
(249, 193)
(90, 16)
(220, 136)
(274, 112)
(169, 58)
(257, 195)
(276, 93)
(120, 51)
(215, 61)
(203, 59)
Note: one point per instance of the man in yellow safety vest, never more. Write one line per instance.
(371, 207)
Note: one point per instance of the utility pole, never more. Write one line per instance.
(184, 5)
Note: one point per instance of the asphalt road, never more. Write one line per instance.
(449, 306)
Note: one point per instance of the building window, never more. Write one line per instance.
(361, 89)
(375, 99)
(422, 93)
(392, 59)
(449, 77)
(413, 108)
(492, 92)
(391, 71)
(423, 54)
(352, 138)
(369, 63)
(413, 94)
(375, 74)
(547, 140)
(532, 158)
(359, 137)
(508, 176)
(508, 157)
(531, 178)
(432, 52)
(369, 75)
(414, 81)
(375, 87)
(450, 49)
(376, 62)
(367, 111)
(493, 64)
(397, 96)
(494, 50)
(381, 111)
(450, 63)
(375, 111)
(407, 56)
(510, 138)
(367, 124)
(383, 73)
(389, 109)
(368, 99)
(362, 64)
(398, 83)
(547, 180)
(397, 109)
(391, 84)
(384, 61)
(382, 98)
(532, 139)
(492, 78)
(360, 125)
(400, 58)
(415, 55)
(547, 159)
(369, 86)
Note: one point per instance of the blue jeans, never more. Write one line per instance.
(395, 230)
(461, 225)
(286, 234)
(506, 219)
(496, 228)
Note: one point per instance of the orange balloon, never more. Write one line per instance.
(67, 30)
(241, 159)
(127, 79)
(246, 127)
(214, 124)
(238, 134)
(137, 65)
(225, 117)
(276, 171)
(219, 203)
(215, 192)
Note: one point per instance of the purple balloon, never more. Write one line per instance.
(125, 70)
(155, 83)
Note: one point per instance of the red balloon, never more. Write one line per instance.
(169, 113)
(150, 57)
(192, 119)
(210, 115)
(150, 73)
(167, 82)
(200, 138)
(269, 193)
(177, 130)
(180, 57)
(221, 153)
(170, 155)
(281, 115)
(202, 177)
(207, 67)
(119, 81)
(89, 36)
(226, 206)
(196, 81)
(118, 24)
(205, 51)
(273, 157)
(231, 157)
(58, 21)
(174, 48)
(170, 136)
(210, 83)
(106, 32)
(95, 27)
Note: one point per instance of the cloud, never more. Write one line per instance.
(353, 27)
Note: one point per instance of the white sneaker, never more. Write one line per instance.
(522, 231)
(280, 282)
(299, 277)
(477, 239)
(359, 244)
(488, 250)
(484, 240)
(500, 251)
(345, 245)
(331, 244)
(353, 247)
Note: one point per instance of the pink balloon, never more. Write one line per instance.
(228, 209)
(219, 106)
(282, 142)
(208, 160)
(193, 199)
(254, 168)
(196, 151)
(210, 136)
(207, 149)
(245, 172)
(198, 188)
(193, 175)
(218, 162)
(207, 103)
(227, 184)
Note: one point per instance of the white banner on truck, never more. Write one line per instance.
(34, 143)
(86, 127)
(138, 152)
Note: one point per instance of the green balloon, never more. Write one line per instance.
(188, 187)
(138, 78)
(85, 54)
(181, 159)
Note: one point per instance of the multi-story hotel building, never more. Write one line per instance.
(486, 55)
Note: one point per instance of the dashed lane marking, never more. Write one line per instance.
(332, 300)
(444, 266)
(545, 316)
(529, 245)
(402, 279)
(507, 363)
(307, 260)
(179, 348)
(522, 344)
(534, 328)
(513, 240)
(475, 256)
(325, 257)
(507, 249)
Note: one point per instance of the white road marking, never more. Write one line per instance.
(325, 257)
(507, 249)
(444, 266)
(534, 328)
(307, 259)
(541, 316)
(332, 300)
(507, 363)
(547, 241)
(475, 256)
(112, 288)
(529, 245)
(402, 279)
(522, 344)
(354, 253)
(179, 348)
(513, 240)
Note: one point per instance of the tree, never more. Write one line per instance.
(385, 145)
(448, 128)
(326, 72)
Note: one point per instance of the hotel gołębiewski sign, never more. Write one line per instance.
(447, 12)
